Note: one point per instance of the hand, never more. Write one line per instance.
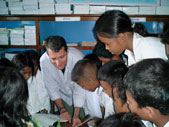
(44, 111)
(65, 116)
(76, 121)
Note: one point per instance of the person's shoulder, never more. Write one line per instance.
(44, 56)
(147, 42)
(75, 52)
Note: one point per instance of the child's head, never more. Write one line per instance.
(114, 28)
(13, 97)
(85, 74)
(122, 120)
(5, 62)
(147, 88)
(93, 57)
(35, 57)
(110, 76)
(104, 55)
(24, 64)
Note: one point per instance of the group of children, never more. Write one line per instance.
(115, 94)
(114, 89)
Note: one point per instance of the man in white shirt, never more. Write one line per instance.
(56, 66)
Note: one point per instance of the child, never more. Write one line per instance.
(122, 120)
(110, 76)
(85, 74)
(147, 90)
(13, 99)
(93, 57)
(25, 66)
(37, 80)
(104, 55)
(115, 29)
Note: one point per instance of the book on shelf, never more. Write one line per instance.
(83, 43)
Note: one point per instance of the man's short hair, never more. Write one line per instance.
(148, 82)
(122, 120)
(55, 43)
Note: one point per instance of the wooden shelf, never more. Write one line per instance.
(41, 47)
(18, 46)
(82, 17)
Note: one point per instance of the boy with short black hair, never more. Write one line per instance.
(85, 74)
(110, 76)
(122, 120)
(147, 90)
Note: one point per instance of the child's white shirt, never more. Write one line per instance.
(106, 102)
(167, 124)
(38, 96)
(42, 92)
(148, 123)
(92, 106)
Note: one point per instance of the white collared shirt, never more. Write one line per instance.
(145, 47)
(42, 91)
(106, 102)
(167, 124)
(92, 103)
(60, 85)
(33, 104)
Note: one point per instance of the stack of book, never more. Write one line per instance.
(30, 35)
(4, 36)
(3, 7)
(16, 36)
(81, 9)
(15, 7)
(30, 6)
(63, 8)
(46, 7)
(97, 9)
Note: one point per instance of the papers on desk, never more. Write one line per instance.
(85, 121)
(47, 119)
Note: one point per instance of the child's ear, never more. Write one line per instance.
(150, 111)
(122, 37)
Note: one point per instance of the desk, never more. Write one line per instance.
(67, 124)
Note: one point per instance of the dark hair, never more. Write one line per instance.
(112, 23)
(113, 73)
(165, 37)
(80, 70)
(148, 82)
(94, 58)
(100, 50)
(55, 43)
(34, 56)
(13, 98)
(22, 60)
(122, 120)
(5, 62)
